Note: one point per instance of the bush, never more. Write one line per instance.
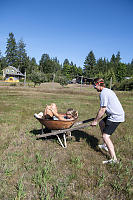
(21, 80)
(125, 85)
(62, 80)
(36, 77)
(1, 77)
(13, 84)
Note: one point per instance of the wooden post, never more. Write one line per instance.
(25, 78)
(81, 80)
(110, 82)
(53, 77)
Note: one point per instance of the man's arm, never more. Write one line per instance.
(99, 115)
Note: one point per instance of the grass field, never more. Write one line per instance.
(32, 169)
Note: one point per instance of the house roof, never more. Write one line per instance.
(16, 71)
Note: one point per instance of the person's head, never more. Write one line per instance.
(98, 84)
(71, 113)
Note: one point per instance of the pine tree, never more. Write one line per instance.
(130, 69)
(66, 62)
(89, 65)
(121, 72)
(0, 54)
(31, 65)
(21, 56)
(11, 51)
(43, 63)
(118, 58)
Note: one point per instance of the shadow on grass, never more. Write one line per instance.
(39, 132)
(91, 140)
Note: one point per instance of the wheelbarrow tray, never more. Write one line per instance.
(56, 124)
(74, 126)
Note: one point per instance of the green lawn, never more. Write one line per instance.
(34, 169)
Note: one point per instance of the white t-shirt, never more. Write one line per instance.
(114, 108)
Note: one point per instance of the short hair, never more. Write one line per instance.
(70, 109)
(99, 81)
(73, 112)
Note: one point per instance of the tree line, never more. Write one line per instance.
(50, 69)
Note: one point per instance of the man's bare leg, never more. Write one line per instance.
(110, 145)
(102, 125)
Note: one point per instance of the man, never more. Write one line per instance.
(109, 104)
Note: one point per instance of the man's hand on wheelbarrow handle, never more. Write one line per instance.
(94, 123)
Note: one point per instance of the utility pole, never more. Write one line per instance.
(81, 80)
(53, 77)
(25, 78)
(111, 82)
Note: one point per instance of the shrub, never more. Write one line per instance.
(1, 77)
(125, 85)
(13, 84)
(62, 80)
(36, 77)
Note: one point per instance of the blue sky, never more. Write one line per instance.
(69, 28)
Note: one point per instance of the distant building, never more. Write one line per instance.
(73, 80)
(12, 74)
(127, 78)
(84, 80)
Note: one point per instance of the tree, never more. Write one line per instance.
(44, 64)
(31, 65)
(89, 65)
(49, 66)
(62, 80)
(118, 58)
(79, 71)
(71, 63)
(0, 55)
(113, 59)
(0, 61)
(130, 69)
(108, 76)
(66, 62)
(37, 77)
(22, 56)
(66, 70)
(55, 60)
(121, 72)
(11, 51)
(100, 67)
(56, 65)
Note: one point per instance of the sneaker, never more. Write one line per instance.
(36, 115)
(40, 115)
(112, 161)
(102, 146)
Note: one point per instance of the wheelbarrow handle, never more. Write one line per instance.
(78, 125)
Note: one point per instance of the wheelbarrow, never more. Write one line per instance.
(57, 127)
